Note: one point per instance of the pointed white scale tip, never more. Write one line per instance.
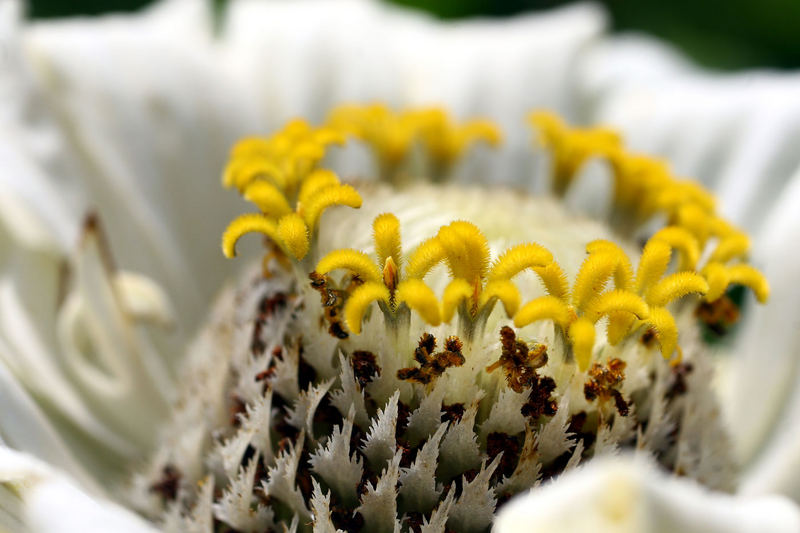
(629, 494)
(49, 501)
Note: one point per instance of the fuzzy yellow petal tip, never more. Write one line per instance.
(506, 292)
(294, 233)
(420, 298)
(243, 224)
(518, 258)
(359, 301)
(353, 260)
(456, 292)
(581, 336)
(386, 234)
(543, 308)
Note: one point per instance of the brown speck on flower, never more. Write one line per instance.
(453, 412)
(648, 338)
(718, 315)
(365, 367)
(167, 485)
(332, 303)
(236, 409)
(604, 382)
(432, 365)
(678, 385)
(518, 361)
(509, 446)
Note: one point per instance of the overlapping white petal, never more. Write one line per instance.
(626, 494)
(36, 498)
(764, 397)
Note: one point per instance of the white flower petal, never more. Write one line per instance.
(39, 499)
(764, 400)
(301, 58)
(735, 132)
(629, 494)
(148, 113)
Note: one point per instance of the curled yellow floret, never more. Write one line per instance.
(293, 232)
(420, 298)
(355, 261)
(316, 181)
(466, 250)
(521, 257)
(720, 276)
(359, 301)
(594, 274)
(676, 286)
(427, 255)
(683, 241)
(504, 291)
(244, 224)
(457, 291)
(581, 336)
(544, 308)
(386, 233)
(616, 301)
(268, 198)
(666, 330)
(652, 264)
(334, 195)
(732, 246)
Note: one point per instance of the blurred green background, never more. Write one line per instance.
(724, 34)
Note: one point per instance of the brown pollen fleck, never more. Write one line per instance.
(433, 364)
(604, 382)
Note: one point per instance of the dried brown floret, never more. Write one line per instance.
(453, 412)
(333, 300)
(365, 367)
(678, 385)
(510, 446)
(236, 409)
(432, 364)
(604, 382)
(519, 361)
(718, 315)
(649, 338)
(539, 401)
(167, 485)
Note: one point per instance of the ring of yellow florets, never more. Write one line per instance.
(282, 177)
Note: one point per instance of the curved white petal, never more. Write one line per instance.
(735, 132)
(300, 58)
(764, 401)
(145, 115)
(36, 498)
(630, 494)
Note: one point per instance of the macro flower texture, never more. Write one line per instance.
(324, 266)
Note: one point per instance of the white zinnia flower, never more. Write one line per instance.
(133, 118)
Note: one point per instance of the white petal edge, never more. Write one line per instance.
(47, 501)
(628, 494)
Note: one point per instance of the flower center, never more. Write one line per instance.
(435, 349)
